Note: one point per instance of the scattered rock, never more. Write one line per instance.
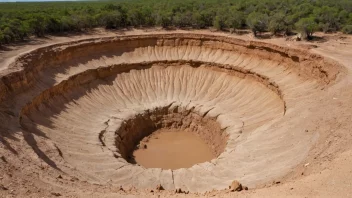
(74, 179)
(56, 194)
(121, 189)
(159, 187)
(245, 187)
(142, 145)
(3, 159)
(299, 37)
(178, 190)
(306, 130)
(235, 186)
(294, 38)
(59, 177)
(2, 187)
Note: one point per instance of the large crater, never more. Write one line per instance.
(84, 106)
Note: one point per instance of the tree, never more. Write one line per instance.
(343, 16)
(235, 19)
(23, 30)
(2, 38)
(164, 19)
(9, 36)
(53, 24)
(38, 24)
(257, 22)
(110, 19)
(349, 20)
(141, 17)
(327, 17)
(198, 20)
(347, 29)
(218, 23)
(307, 26)
(183, 19)
(19, 29)
(66, 24)
(279, 23)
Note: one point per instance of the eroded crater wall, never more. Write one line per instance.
(27, 68)
(62, 96)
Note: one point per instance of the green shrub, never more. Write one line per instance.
(347, 29)
(307, 26)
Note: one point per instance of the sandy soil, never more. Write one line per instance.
(172, 149)
(295, 136)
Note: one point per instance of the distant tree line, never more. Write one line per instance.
(18, 21)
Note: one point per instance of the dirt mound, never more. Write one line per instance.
(80, 108)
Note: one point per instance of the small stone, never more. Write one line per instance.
(3, 159)
(59, 177)
(235, 186)
(74, 179)
(56, 194)
(178, 190)
(277, 182)
(245, 187)
(159, 187)
(306, 130)
(2, 187)
(142, 145)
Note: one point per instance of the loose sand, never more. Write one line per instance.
(275, 115)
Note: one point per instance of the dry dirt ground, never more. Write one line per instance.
(295, 137)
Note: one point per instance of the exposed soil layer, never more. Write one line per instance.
(79, 109)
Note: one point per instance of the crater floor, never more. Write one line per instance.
(172, 149)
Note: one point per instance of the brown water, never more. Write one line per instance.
(173, 149)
